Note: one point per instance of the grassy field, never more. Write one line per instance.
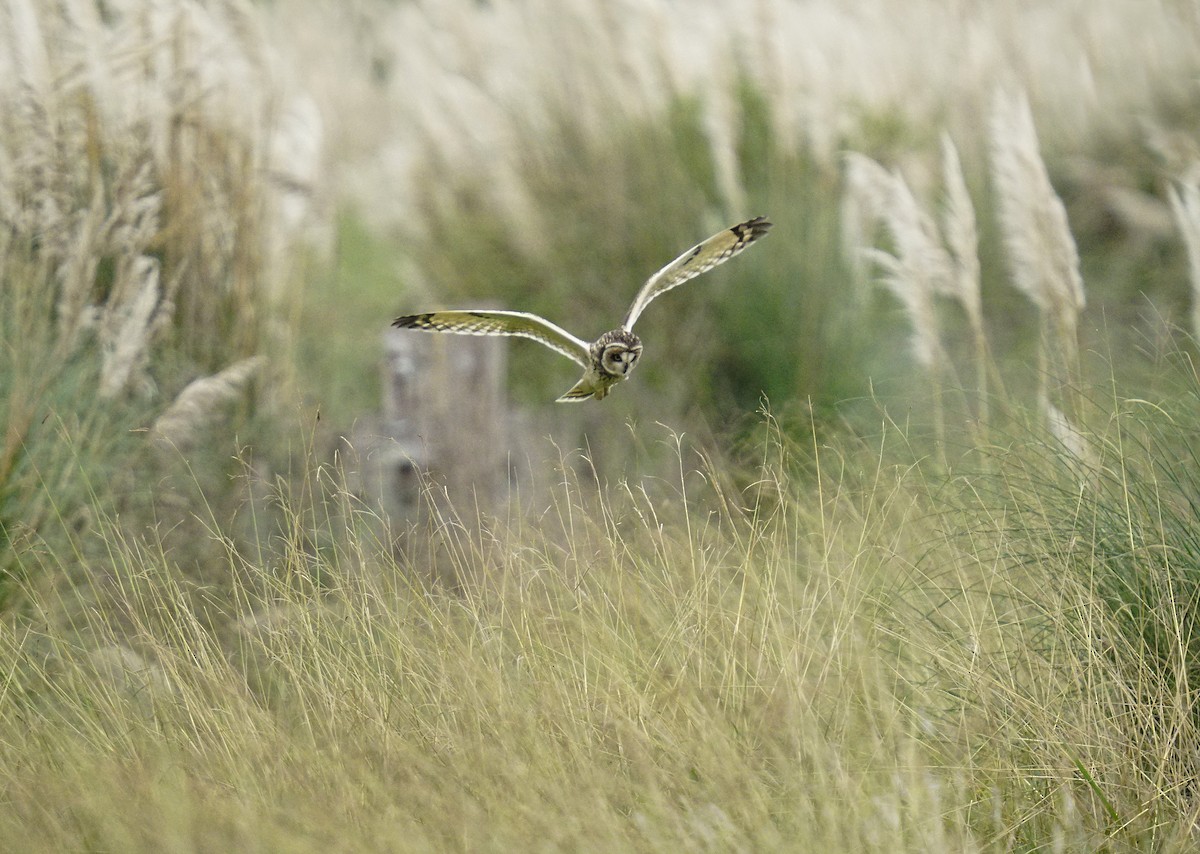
(891, 546)
(841, 650)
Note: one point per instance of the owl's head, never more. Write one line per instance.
(617, 352)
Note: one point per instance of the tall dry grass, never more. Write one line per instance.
(834, 658)
(924, 262)
(813, 640)
(150, 167)
(141, 173)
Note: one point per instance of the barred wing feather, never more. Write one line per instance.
(518, 323)
(699, 259)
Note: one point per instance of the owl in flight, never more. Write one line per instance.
(610, 358)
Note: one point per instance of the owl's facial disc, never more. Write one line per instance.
(618, 358)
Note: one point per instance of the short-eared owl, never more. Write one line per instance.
(611, 357)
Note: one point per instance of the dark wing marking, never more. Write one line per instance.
(699, 259)
(519, 323)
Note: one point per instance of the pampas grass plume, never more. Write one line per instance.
(126, 339)
(1041, 250)
(1185, 206)
(961, 235)
(919, 266)
(198, 405)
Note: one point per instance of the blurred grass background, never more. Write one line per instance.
(785, 589)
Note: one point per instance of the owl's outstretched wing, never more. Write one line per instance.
(699, 259)
(519, 323)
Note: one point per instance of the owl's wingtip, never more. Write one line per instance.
(411, 321)
(749, 231)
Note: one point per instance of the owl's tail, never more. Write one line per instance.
(584, 389)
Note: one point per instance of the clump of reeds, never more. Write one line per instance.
(136, 166)
(145, 184)
(924, 261)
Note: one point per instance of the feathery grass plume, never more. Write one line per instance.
(868, 190)
(915, 271)
(1071, 441)
(918, 270)
(961, 238)
(1184, 196)
(924, 262)
(1041, 251)
(196, 407)
(125, 338)
(875, 197)
(918, 267)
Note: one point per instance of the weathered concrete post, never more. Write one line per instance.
(445, 409)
